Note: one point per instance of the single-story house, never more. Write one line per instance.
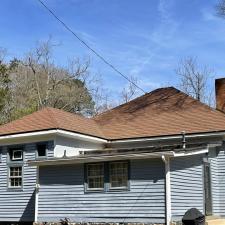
(147, 161)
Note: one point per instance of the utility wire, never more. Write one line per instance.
(88, 46)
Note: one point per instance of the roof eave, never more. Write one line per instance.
(60, 132)
(170, 137)
(96, 139)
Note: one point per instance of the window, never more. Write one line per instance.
(108, 176)
(118, 173)
(95, 176)
(15, 177)
(41, 150)
(16, 154)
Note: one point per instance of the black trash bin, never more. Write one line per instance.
(193, 217)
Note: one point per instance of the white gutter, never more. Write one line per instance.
(177, 154)
(166, 160)
(54, 132)
(101, 140)
(172, 137)
(30, 134)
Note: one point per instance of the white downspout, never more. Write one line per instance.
(166, 160)
(36, 195)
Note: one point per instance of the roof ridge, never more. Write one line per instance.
(163, 111)
(75, 115)
(135, 99)
(70, 113)
(155, 90)
(202, 103)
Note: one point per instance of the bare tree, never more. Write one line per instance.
(3, 53)
(102, 100)
(130, 91)
(193, 78)
(220, 8)
(38, 82)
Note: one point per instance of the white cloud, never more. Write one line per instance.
(168, 26)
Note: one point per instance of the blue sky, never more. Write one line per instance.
(144, 38)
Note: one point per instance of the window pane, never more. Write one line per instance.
(17, 154)
(95, 176)
(95, 170)
(95, 182)
(41, 150)
(15, 177)
(118, 174)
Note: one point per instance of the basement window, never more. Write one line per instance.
(15, 177)
(41, 150)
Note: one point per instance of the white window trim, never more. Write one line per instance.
(87, 177)
(19, 150)
(11, 177)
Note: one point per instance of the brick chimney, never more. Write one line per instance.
(220, 94)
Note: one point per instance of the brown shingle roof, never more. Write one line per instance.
(51, 118)
(165, 111)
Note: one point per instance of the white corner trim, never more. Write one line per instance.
(36, 195)
(166, 160)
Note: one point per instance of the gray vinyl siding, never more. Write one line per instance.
(218, 181)
(215, 182)
(50, 149)
(187, 186)
(62, 195)
(18, 205)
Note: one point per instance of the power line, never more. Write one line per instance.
(88, 46)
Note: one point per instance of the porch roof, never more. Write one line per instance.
(121, 154)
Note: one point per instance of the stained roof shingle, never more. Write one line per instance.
(51, 118)
(164, 111)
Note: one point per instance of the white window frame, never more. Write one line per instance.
(88, 177)
(15, 177)
(126, 175)
(13, 156)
